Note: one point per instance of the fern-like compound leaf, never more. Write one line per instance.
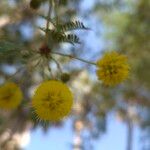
(71, 26)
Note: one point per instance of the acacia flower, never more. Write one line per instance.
(52, 101)
(113, 68)
(10, 95)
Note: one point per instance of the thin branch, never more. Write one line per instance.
(48, 20)
(49, 69)
(11, 76)
(57, 63)
(74, 57)
(55, 3)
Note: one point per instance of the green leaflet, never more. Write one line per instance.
(76, 25)
(10, 51)
(60, 37)
(6, 46)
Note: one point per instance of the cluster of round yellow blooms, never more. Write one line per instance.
(52, 101)
(113, 68)
(10, 96)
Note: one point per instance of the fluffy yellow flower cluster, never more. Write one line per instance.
(10, 96)
(112, 68)
(52, 101)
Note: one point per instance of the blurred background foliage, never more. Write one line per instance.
(122, 25)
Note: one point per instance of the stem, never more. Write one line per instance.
(73, 57)
(56, 10)
(49, 69)
(49, 18)
(57, 63)
(129, 134)
(11, 76)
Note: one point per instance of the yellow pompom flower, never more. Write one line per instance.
(10, 96)
(52, 101)
(113, 68)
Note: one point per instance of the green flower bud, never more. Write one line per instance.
(35, 4)
(65, 77)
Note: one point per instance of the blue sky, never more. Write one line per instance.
(61, 138)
